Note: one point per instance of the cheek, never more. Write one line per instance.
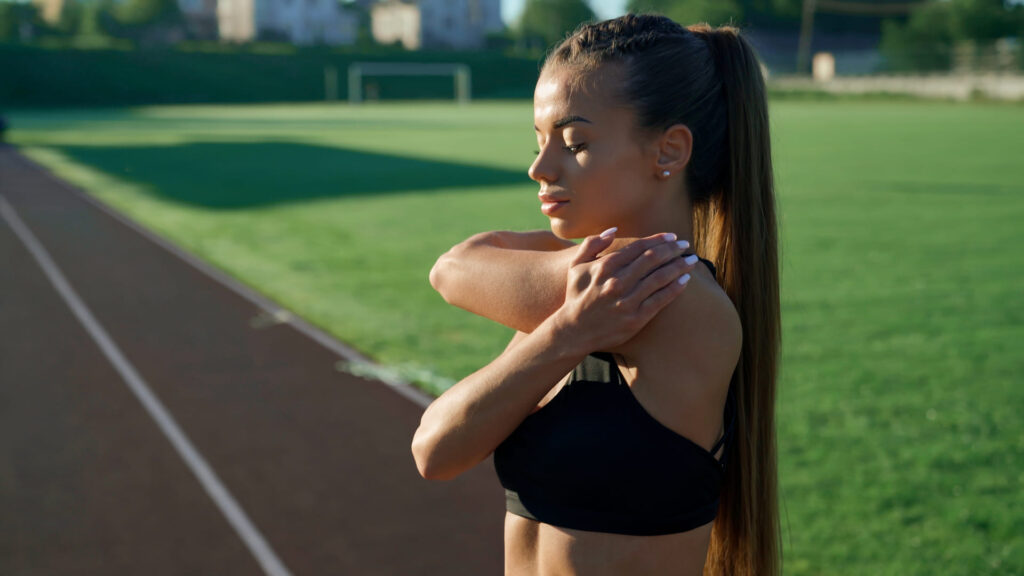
(608, 178)
(620, 159)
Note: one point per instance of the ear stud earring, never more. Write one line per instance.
(666, 173)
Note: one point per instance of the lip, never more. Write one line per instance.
(548, 197)
(551, 202)
(549, 208)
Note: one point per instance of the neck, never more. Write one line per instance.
(669, 212)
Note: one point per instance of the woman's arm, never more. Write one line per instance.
(606, 302)
(514, 278)
(466, 423)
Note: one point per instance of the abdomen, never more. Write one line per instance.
(536, 549)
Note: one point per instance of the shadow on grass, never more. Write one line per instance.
(243, 175)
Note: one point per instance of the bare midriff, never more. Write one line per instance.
(536, 549)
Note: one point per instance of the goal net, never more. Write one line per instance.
(357, 71)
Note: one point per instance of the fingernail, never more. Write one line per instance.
(684, 278)
(609, 232)
(669, 237)
(683, 244)
(691, 259)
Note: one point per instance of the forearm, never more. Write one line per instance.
(466, 423)
(515, 279)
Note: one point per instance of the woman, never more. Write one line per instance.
(631, 417)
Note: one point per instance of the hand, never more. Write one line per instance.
(610, 298)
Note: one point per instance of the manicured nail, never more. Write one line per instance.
(684, 278)
(683, 244)
(669, 237)
(691, 259)
(609, 232)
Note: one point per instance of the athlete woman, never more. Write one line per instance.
(631, 417)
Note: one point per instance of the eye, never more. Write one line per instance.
(576, 148)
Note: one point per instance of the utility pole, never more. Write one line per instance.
(803, 51)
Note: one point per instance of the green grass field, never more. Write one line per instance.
(901, 437)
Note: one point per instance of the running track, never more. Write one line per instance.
(148, 428)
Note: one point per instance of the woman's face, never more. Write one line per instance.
(593, 171)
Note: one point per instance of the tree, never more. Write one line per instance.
(927, 39)
(150, 22)
(984, 20)
(92, 19)
(772, 13)
(545, 22)
(142, 12)
(924, 42)
(686, 12)
(19, 21)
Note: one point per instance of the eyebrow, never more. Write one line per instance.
(566, 121)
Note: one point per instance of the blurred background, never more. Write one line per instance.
(325, 152)
(262, 50)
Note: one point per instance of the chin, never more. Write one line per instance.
(568, 231)
(563, 230)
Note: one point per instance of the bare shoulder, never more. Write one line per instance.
(705, 323)
(681, 363)
(700, 328)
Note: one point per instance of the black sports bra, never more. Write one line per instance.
(594, 459)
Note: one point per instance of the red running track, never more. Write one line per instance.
(308, 470)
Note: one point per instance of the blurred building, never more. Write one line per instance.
(200, 18)
(295, 21)
(459, 24)
(50, 10)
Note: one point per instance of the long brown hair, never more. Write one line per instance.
(710, 79)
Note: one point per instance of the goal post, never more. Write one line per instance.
(459, 72)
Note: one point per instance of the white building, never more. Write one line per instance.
(296, 21)
(460, 24)
(50, 10)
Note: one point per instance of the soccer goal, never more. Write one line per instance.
(358, 70)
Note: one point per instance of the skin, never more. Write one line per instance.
(676, 344)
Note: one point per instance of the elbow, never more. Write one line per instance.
(439, 272)
(444, 274)
(429, 473)
(429, 466)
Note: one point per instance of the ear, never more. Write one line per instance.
(674, 148)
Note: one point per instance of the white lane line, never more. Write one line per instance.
(348, 353)
(257, 545)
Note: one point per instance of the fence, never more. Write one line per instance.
(37, 77)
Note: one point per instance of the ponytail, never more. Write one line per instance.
(737, 227)
(710, 80)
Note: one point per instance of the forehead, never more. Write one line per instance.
(563, 92)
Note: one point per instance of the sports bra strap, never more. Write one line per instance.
(706, 263)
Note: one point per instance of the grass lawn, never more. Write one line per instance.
(901, 438)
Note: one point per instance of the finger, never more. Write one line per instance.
(592, 246)
(651, 260)
(662, 297)
(670, 272)
(635, 249)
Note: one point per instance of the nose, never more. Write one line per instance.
(543, 168)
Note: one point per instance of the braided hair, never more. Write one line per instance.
(661, 88)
